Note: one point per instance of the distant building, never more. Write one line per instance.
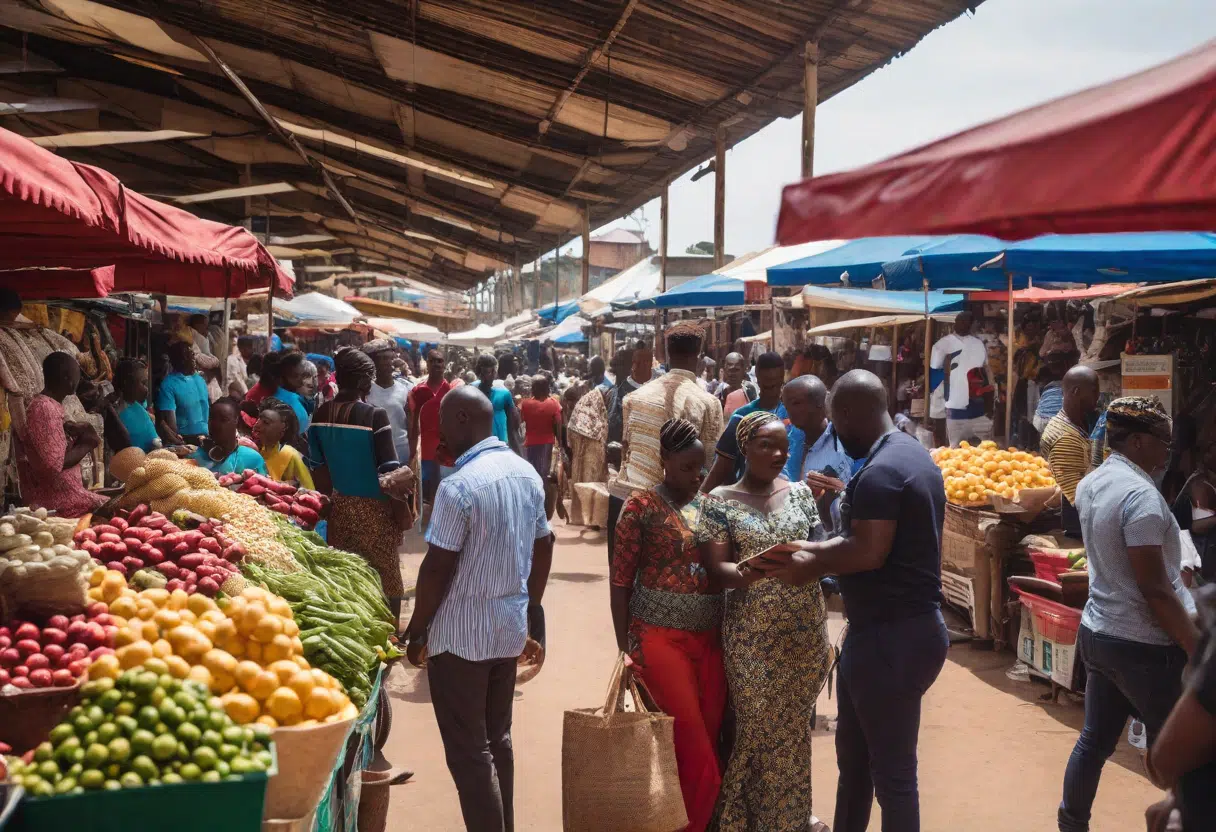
(614, 251)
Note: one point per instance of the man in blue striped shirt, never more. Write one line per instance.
(477, 602)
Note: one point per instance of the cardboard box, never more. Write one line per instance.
(1049, 659)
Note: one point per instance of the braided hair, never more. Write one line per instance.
(676, 435)
(751, 423)
(291, 423)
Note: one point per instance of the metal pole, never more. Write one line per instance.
(928, 354)
(1009, 368)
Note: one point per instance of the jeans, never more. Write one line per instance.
(885, 669)
(473, 703)
(1124, 678)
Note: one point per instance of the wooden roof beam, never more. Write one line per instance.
(589, 59)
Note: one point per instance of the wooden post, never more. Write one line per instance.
(586, 283)
(274, 279)
(1009, 369)
(536, 303)
(810, 100)
(557, 275)
(720, 198)
(226, 346)
(928, 356)
(518, 277)
(664, 210)
(894, 403)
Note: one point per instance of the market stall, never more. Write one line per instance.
(186, 654)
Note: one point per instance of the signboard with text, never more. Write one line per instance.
(1150, 376)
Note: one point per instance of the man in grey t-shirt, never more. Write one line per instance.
(1137, 629)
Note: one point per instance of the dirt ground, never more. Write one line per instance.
(992, 751)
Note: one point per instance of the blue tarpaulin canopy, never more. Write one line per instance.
(878, 301)
(1093, 259)
(704, 291)
(556, 313)
(862, 259)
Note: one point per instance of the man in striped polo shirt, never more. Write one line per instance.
(1065, 441)
(478, 601)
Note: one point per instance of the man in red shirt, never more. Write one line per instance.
(424, 401)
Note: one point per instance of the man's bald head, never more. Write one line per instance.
(733, 368)
(1081, 391)
(806, 403)
(466, 417)
(859, 411)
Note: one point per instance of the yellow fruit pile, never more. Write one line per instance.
(248, 654)
(973, 474)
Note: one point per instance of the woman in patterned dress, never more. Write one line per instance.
(667, 616)
(774, 636)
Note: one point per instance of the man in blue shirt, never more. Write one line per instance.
(728, 462)
(506, 415)
(477, 603)
(182, 404)
(292, 373)
(820, 460)
(889, 564)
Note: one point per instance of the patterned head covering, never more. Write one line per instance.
(1137, 414)
(379, 345)
(751, 423)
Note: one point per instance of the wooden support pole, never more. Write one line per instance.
(928, 423)
(518, 276)
(894, 402)
(1009, 369)
(557, 275)
(810, 100)
(720, 198)
(664, 211)
(536, 302)
(586, 276)
(269, 292)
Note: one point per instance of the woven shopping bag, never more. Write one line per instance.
(619, 764)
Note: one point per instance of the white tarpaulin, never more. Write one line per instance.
(403, 328)
(639, 281)
(571, 326)
(482, 335)
(754, 267)
(877, 321)
(314, 307)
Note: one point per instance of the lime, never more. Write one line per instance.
(167, 682)
(29, 781)
(164, 747)
(234, 734)
(96, 755)
(65, 785)
(145, 683)
(43, 789)
(223, 768)
(185, 700)
(155, 781)
(110, 700)
(263, 759)
(260, 732)
(212, 777)
(43, 752)
(141, 741)
(169, 712)
(82, 724)
(120, 749)
(95, 688)
(113, 786)
(189, 734)
(67, 748)
(88, 739)
(131, 780)
(107, 732)
(48, 770)
(58, 734)
(127, 724)
(190, 771)
(112, 770)
(200, 716)
(91, 778)
(171, 777)
(76, 711)
(228, 751)
(148, 716)
(157, 696)
(218, 720)
(96, 716)
(145, 768)
(241, 765)
(204, 756)
(212, 738)
(160, 728)
(126, 680)
(125, 708)
(74, 771)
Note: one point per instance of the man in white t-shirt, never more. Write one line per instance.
(391, 393)
(955, 363)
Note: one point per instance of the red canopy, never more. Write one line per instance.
(1133, 155)
(59, 284)
(57, 213)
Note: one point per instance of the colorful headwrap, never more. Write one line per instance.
(1137, 414)
(751, 423)
(676, 435)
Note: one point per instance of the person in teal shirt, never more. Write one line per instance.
(182, 401)
(293, 372)
(506, 415)
(131, 390)
(222, 452)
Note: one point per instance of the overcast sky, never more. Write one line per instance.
(1008, 55)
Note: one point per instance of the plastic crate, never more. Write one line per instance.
(1048, 565)
(1054, 621)
(230, 805)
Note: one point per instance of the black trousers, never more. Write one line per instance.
(473, 702)
(615, 504)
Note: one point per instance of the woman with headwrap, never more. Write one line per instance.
(774, 635)
(1136, 629)
(351, 442)
(667, 615)
(276, 433)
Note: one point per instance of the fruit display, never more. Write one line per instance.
(302, 506)
(154, 551)
(248, 653)
(337, 601)
(973, 474)
(169, 484)
(57, 652)
(142, 728)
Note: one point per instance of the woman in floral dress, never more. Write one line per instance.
(667, 615)
(774, 636)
